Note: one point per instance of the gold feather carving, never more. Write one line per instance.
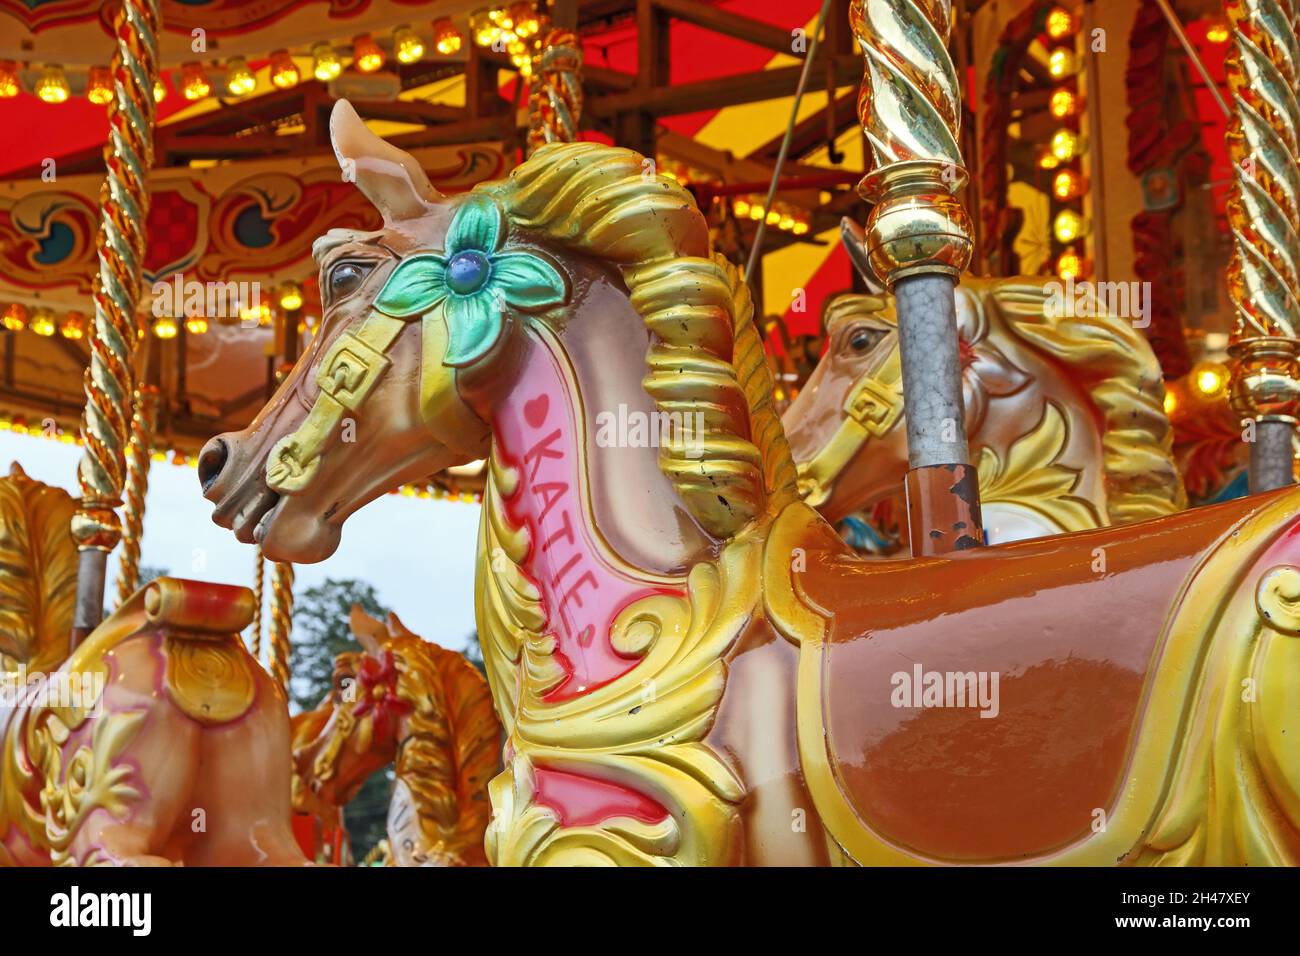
(38, 573)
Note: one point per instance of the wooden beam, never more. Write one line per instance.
(718, 93)
(402, 111)
(729, 24)
(811, 132)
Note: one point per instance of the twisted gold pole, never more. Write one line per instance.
(1263, 138)
(259, 576)
(143, 423)
(124, 199)
(918, 240)
(555, 103)
(281, 623)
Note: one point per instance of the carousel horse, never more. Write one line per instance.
(690, 665)
(422, 708)
(1064, 414)
(158, 741)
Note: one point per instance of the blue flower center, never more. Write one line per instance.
(467, 271)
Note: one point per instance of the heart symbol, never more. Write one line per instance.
(535, 411)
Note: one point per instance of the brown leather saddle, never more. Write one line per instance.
(983, 707)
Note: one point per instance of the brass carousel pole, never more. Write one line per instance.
(555, 103)
(1264, 212)
(259, 577)
(124, 198)
(918, 239)
(281, 623)
(143, 423)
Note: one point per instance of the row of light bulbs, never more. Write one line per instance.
(785, 217)
(509, 28)
(197, 81)
(52, 431)
(15, 317)
(1067, 146)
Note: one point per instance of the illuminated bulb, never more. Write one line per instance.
(14, 317)
(1066, 145)
(74, 326)
(325, 63)
(1068, 226)
(284, 72)
(502, 18)
(8, 79)
(523, 63)
(1061, 24)
(366, 53)
(43, 323)
(196, 324)
(1067, 185)
(524, 17)
(290, 297)
(52, 87)
(1061, 62)
(407, 45)
(1069, 265)
(741, 208)
(773, 217)
(801, 228)
(159, 90)
(194, 82)
(1210, 378)
(756, 212)
(786, 223)
(165, 328)
(1063, 102)
(1048, 161)
(1218, 32)
(240, 80)
(446, 38)
(99, 86)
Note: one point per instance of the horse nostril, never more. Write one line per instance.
(211, 460)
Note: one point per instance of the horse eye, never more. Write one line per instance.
(345, 278)
(864, 340)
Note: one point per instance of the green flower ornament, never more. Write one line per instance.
(475, 282)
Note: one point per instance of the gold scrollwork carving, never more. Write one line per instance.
(211, 681)
(1278, 599)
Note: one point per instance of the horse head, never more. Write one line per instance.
(403, 701)
(1075, 400)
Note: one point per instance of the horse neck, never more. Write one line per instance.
(1040, 447)
(579, 430)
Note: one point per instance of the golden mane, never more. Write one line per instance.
(1115, 364)
(454, 745)
(705, 355)
(1124, 380)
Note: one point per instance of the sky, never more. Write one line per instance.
(418, 553)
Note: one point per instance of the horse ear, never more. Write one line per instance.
(391, 179)
(854, 239)
(368, 631)
(396, 628)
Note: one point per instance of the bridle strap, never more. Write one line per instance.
(347, 375)
(871, 410)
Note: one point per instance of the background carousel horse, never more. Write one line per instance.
(421, 707)
(158, 741)
(690, 665)
(1064, 413)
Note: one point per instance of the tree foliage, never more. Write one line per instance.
(321, 632)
